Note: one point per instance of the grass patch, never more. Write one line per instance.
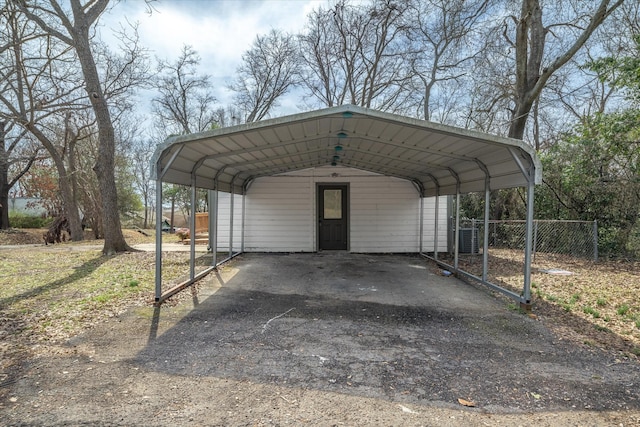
(55, 292)
(590, 310)
(623, 310)
(516, 307)
(601, 302)
(102, 298)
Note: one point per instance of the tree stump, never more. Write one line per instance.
(58, 231)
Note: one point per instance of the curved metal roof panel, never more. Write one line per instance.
(436, 157)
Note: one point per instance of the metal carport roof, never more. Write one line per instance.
(436, 157)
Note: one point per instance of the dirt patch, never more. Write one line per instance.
(312, 340)
(15, 236)
(33, 236)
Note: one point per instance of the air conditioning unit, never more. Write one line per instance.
(468, 241)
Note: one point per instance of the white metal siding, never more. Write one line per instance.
(428, 230)
(280, 215)
(224, 215)
(384, 213)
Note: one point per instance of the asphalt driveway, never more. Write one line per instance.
(382, 326)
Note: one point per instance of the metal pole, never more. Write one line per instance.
(474, 237)
(421, 222)
(231, 221)
(456, 238)
(535, 238)
(192, 230)
(485, 243)
(215, 227)
(210, 226)
(244, 200)
(526, 292)
(158, 239)
(435, 228)
(595, 241)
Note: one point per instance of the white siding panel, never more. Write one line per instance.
(384, 213)
(429, 224)
(224, 217)
(280, 215)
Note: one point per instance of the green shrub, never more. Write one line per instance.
(28, 221)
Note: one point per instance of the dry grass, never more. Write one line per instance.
(50, 293)
(597, 303)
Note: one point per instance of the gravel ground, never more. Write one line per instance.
(325, 339)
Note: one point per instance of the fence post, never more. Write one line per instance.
(473, 236)
(535, 238)
(595, 240)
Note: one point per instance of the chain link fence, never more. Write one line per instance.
(575, 238)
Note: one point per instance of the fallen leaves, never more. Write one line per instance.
(467, 403)
(598, 302)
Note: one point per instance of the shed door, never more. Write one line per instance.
(332, 217)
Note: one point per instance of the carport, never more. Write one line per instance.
(438, 160)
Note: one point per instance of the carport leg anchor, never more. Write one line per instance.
(526, 306)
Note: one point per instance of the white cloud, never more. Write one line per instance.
(220, 31)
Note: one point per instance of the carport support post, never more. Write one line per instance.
(214, 246)
(421, 221)
(210, 196)
(485, 243)
(159, 239)
(192, 230)
(456, 238)
(525, 302)
(231, 221)
(435, 236)
(244, 198)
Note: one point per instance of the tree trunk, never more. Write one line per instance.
(4, 181)
(75, 222)
(146, 214)
(105, 165)
(78, 28)
(531, 77)
(69, 202)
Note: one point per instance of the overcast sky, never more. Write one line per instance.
(219, 30)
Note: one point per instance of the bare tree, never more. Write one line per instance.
(441, 33)
(533, 66)
(321, 73)
(185, 104)
(269, 69)
(141, 157)
(15, 161)
(14, 156)
(39, 96)
(185, 101)
(356, 54)
(74, 28)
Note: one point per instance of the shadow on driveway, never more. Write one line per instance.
(383, 327)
